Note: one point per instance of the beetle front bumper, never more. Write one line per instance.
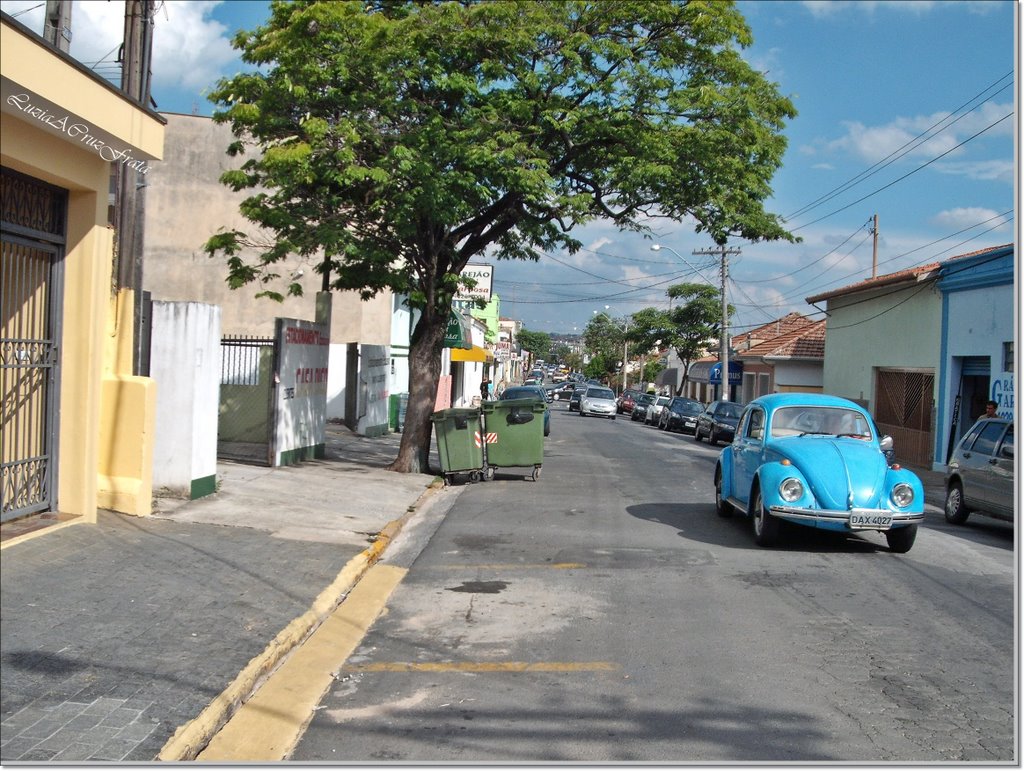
(853, 519)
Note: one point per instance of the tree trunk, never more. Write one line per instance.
(424, 374)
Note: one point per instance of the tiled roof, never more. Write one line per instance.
(908, 276)
(807, 342)
(788, 323)
(945, 263)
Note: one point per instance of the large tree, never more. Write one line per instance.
(604, 339)
(395, 141)
(688, 327)
(537, 343)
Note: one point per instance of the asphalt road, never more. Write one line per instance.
(606, 614)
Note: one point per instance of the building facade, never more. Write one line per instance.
(187, 204)
(77, 424)
(977, 361)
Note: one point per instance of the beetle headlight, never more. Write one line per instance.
(902, 494)
(791, 489)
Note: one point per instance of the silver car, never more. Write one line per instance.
(598, 400)
(653, 414)
(980, 473)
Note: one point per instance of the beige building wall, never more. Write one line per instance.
(51, 107)
(186, 204)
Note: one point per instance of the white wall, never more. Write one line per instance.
(790, 375)
(374, 376)
(185, 363)
(336, 380)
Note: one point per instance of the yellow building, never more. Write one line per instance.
(77, 426)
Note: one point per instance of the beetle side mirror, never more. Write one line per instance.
(886, 443)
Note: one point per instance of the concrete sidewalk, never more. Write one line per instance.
(117, 635)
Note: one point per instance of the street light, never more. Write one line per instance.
(724, 342)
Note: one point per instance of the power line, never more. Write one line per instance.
(908, 174)
(927, 284)
(815, 262)
(802, 290)
(906, 148)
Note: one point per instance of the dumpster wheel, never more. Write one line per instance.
(475, 476)
(536, 473)
(489, 473)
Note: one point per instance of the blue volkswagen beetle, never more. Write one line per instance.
(816, 460)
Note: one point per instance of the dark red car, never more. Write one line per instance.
(626, 402)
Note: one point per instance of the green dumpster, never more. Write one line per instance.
(458, 443)
(514, 429)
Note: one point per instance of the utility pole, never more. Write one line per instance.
(135, 57)
(723, 253)
(625, 353)
(874, 250)
(57, 28)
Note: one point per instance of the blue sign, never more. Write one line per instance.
(735, 373)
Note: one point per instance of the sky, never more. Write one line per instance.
(905, 112)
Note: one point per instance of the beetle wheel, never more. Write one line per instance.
(766, 527)
(900, 539)
(722, 508)
(956, 512)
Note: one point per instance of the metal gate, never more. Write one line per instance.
(33, 226)
(245, 426)
(904, 406)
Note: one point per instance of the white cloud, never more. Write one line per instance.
(191, 50)
(903, 136)
(824, 9)
(986, 171)
(968, 217)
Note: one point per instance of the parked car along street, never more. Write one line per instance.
(627, 401)
(680, 415)
(643, 401)
(563, 391)
(815, 460)
(598, 401)
(531, 392)
(718, 422)
(979, 477)
(576, 395)
(653, 413)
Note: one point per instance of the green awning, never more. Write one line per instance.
(458, 334)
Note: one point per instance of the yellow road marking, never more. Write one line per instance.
(267, 727)
(484, 666)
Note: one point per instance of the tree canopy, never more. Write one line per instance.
(537, 343)
(394, 141)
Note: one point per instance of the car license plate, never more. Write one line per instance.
(870, 520)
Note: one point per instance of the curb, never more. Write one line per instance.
(190, 739)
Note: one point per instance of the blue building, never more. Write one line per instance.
(977, 342)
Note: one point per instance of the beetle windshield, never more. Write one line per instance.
(837, 421)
